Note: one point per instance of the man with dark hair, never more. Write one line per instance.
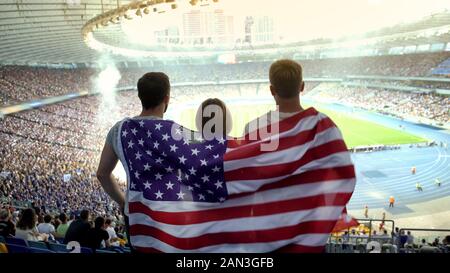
(63, 227)
(47, 227)
(154, 93)
(78, 229)
(97, 235)
(153, 89)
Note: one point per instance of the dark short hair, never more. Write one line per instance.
(47, 218)
(286, 77)
(99, 222)
(152, 88)
(447, 239)
(84, 215)
(63, 217)
(108, 221)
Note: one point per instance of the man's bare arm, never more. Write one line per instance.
(108, 162)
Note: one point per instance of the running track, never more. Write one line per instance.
(388, 173)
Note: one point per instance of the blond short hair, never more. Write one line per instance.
(286, 77)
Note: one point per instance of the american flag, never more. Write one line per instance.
(229, 195)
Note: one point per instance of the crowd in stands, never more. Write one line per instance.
(40, 147)
(48, 156)
(402, 104)
(26, 83)
(19, 84)
(30, 226)
(407, 242)
(396, 241)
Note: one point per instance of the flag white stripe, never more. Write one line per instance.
(242, 224)
(335, 160)
(309, 239)
(285, 156)
(274, 195)
(303, 125)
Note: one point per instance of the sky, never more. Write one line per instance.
(334, 18)
(299, 20)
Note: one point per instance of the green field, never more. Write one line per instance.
(356, 132)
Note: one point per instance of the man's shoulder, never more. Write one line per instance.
(257, 123)
(113, 134)
(105, 234)
(117, 125)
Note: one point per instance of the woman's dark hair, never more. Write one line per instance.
(226, 122)
(27, 219)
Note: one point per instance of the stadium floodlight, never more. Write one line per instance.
(130, 11)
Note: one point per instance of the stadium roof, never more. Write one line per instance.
(49, 31)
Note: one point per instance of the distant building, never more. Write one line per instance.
(208, 27)
(263, 30)
(169, 35)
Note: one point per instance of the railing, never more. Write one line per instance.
(362, 244)
(413, 248)
(370, 221)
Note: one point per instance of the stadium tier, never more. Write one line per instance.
(20, 84)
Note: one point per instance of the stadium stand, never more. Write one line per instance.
(19, 84)
(41, 147)
(401, 104)
(443, 69)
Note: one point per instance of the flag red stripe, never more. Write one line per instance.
(253, 210)
(265, 172)
(239, 237)
(319, 175)
(284, 125)
(284, 143)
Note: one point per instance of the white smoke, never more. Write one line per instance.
(105, 84)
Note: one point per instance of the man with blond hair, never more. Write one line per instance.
(308, 141)
(286, 85)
